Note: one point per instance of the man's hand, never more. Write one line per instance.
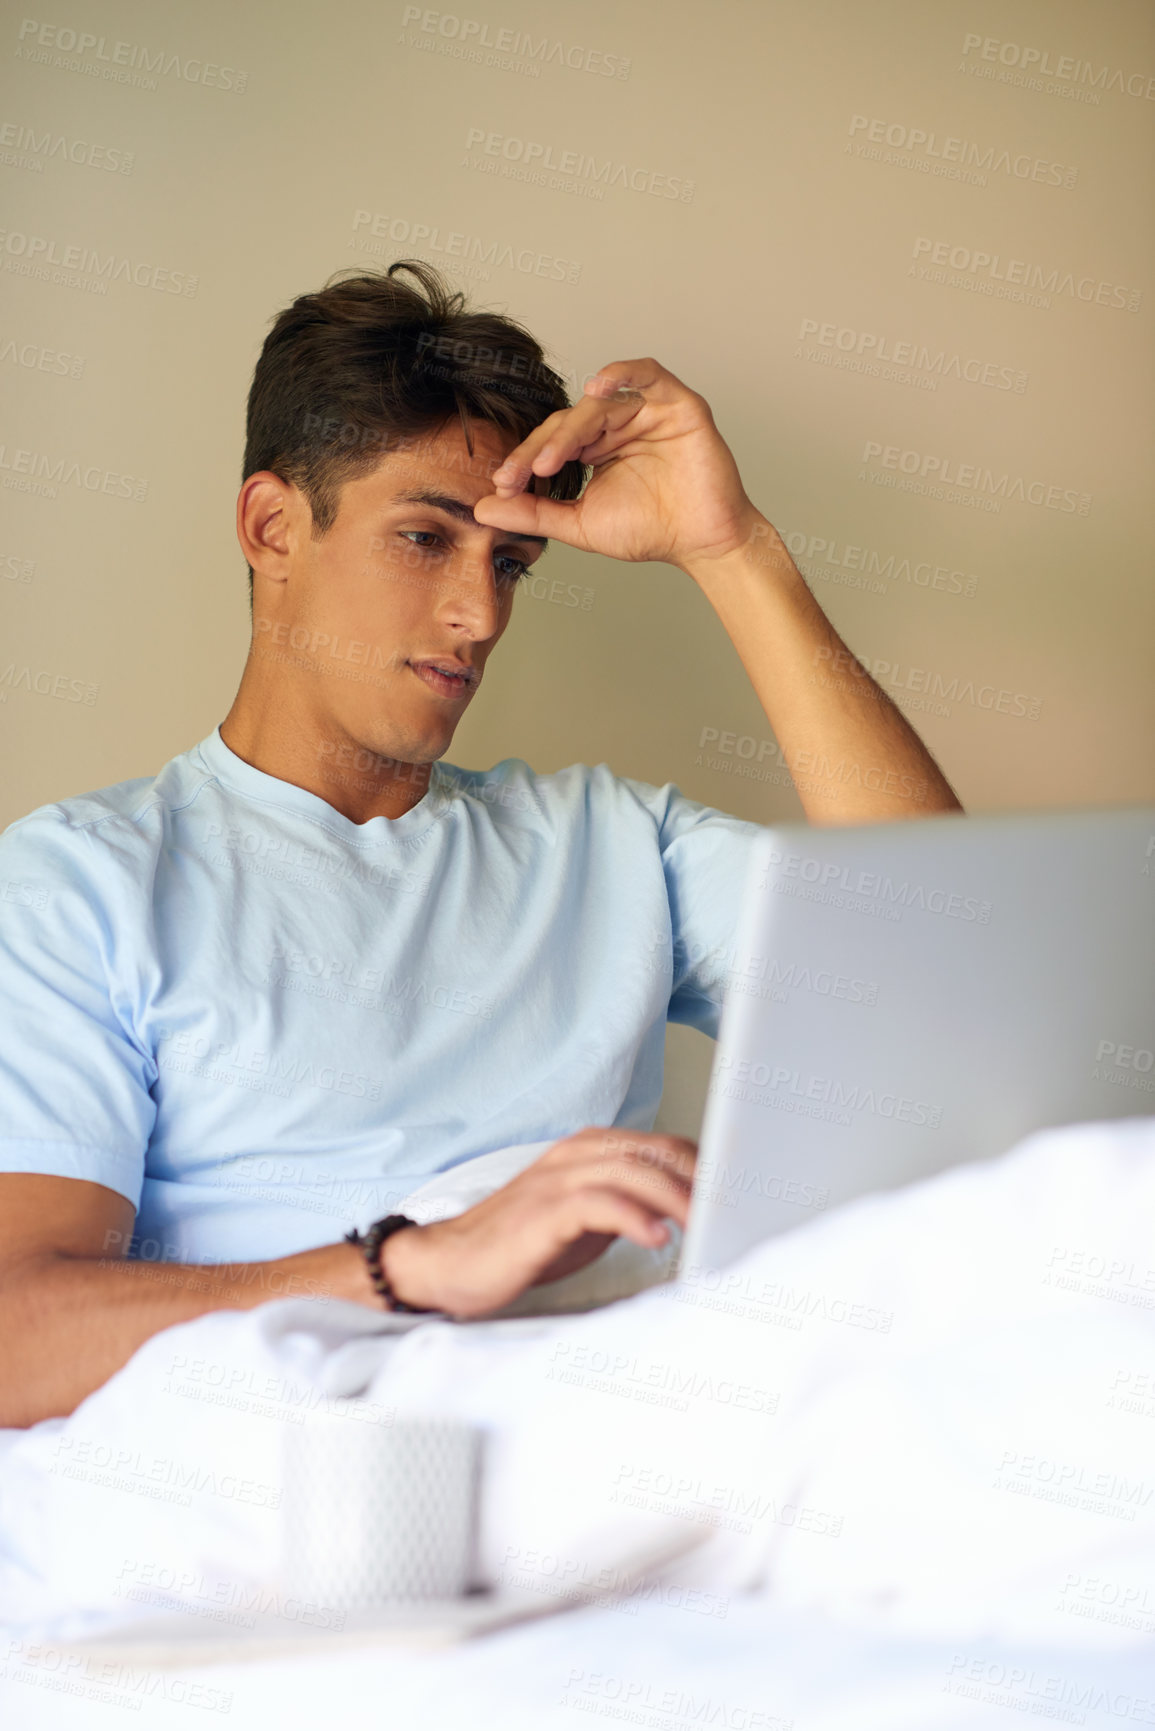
(665, 484)
(549, 1221)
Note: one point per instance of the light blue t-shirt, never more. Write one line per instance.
(263, 1023)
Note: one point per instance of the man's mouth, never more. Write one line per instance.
(447, 678)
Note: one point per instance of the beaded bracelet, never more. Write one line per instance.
(370, 1244)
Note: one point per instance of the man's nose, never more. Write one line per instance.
(469, 598)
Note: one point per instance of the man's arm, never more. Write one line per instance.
(73, 1309)
(666, 486)
(853, 755)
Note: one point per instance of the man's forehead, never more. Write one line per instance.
(425, 461)
(438, 470)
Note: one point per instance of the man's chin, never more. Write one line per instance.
(407, 750)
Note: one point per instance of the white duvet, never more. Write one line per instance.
(929, 1416)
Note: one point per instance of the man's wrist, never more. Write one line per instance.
(404, 1261)
(762, 553)
(357, 1283)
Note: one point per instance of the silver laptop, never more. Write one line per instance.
(907, 996)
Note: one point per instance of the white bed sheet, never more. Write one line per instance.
(657, 1668)
(988, 1457)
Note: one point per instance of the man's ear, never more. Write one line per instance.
(266, 507)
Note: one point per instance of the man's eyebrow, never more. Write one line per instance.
(459, 508)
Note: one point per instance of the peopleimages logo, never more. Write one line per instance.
(824, 1090)
(835, 555)
(46, 684)
(1065, 67)
(740, 964)
(36, 148)
(36, 358)
(992, 267)
(468, 248)
(119, 60)
(960, 155)
(35, 251)
(473, 33)
(538, 160)
(975, 478)
(933, 690)
(876, 886)
(193, 1053)
(42, 472)
(919, 357)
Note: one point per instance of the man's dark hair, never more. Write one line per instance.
(369, 365)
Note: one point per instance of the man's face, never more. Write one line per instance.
(397, 583)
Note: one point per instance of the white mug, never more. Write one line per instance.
(378, 1511)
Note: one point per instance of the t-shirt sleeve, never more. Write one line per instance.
(706, 858)
(75, 1097)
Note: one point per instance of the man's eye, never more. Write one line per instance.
(520, 568)
(507, 566)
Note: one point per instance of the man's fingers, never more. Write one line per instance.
(656, 1188)
(607, 1210)
(546, 1222)
(530, 514)
(660, 1191)
(610, 446)
(629, 1168)
(677, 1154)
(564, 434)
(643, 374)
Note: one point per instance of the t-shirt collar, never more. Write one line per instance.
(270, 790)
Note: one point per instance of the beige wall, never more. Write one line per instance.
(265, 145)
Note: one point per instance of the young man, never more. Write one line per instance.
(267, 992)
